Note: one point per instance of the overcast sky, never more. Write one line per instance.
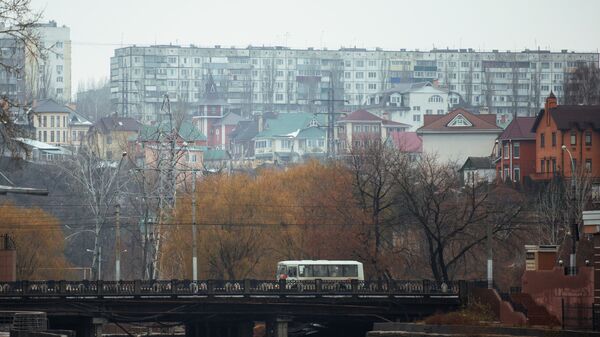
(100, 26)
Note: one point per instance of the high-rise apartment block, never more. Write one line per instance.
(263, 79)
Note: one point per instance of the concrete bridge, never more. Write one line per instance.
(217, 308)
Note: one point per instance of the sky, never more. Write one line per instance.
(100, 26)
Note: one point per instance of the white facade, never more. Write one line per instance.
(457, 148)
(54, 70)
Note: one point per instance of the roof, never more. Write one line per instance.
(362, 116)
(210, 155)
(77, 119)
(478, 163)
(115, 123)
(312, 132)
(289, 124)
(408, 142)
(569, 117)
(49, 105)
(157, 132)
(439, 123)
(230, 118)
(519, 128)
(44, 147)
(244, 131)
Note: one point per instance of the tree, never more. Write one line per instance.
(451, 219)
(93, 99)
(582, 86)
(39, 242)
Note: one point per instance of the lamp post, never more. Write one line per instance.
(118, 226)
(99, 276)
(573, 256)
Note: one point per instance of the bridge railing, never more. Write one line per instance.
(224, 287)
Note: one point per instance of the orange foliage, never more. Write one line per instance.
(246, 224)
(39, 242)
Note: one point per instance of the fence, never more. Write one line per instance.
(580, 317)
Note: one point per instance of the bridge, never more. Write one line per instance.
(209, 307)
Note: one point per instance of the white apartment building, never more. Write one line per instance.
(256, 79)
(406, 103)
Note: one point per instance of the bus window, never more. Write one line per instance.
(350, 271)
(335, 271)
(292, 271)
(301, 271)
(280, 269)
(320, 271)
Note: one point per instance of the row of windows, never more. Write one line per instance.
(45, 136)
(54, 121)
(549, 165)
(516, 150)
(572, 138)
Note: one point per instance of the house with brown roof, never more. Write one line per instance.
(362, 126)
(458, 135)
(565, 132)
(109, 136)
(515, 150)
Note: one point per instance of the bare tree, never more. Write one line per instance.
(93, 99)
(268, 81)
(582, 86)
(451, 218)
(488, 77)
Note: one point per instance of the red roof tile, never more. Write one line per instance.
(440, 122)
(361, 115)
(407, 142)
(519, 128)
(572, 116)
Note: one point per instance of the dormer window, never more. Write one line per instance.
(436, 99)
(459, 121)
(313, 123)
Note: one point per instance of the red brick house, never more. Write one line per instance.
(577, 127)
(515, 150)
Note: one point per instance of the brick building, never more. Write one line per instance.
(515, 152)
(577, 128)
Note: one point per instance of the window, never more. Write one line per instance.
(286, 144)
(360, 64)
(51, 136)
(372, 86)
(516, 150)
(58, 136)
(553, 164)
(359, 74)
(542, 140)
(436, 99)
(59, 68)
(45, 136)
(543, 166)
(416, 118)
(553, 139)
(588, 165)
(416, 108)
(573, 138)
(429, 112)
(440, 111)
(516, 174)
(588, 138)
(73, 135)
(39, 136)
(505, 151)
(347, 74)
(58, 122)
(59, 79)
(279, 97)
(51, 121)
(372, 74)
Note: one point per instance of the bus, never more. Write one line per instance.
(305, 270)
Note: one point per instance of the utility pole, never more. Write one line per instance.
(194, 244)
(330, 135)
(118, 243)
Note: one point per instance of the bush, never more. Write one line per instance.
(474, 314)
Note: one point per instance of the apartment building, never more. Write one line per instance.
(263, 79)
(45, 76)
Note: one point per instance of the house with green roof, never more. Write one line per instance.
(290, 137)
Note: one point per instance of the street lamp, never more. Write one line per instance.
(118, 226)
(573, 256)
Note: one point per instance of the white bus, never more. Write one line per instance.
(304, 270)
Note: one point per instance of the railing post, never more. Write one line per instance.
(424, 287)
(318, 285)
(354, 285)
(25, 287)
(246, 286)
(388, 284)
(99, 286)
(282, 285)
(210, 287)
(137, 287)
(62, 287)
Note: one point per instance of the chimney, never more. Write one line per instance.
(550, 103)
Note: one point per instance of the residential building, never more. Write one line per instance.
(12, 84)
(264, 79)
(478, 170)
(210, 110)
(407, 103)
(241, 143)
(515, 151)
(110, 136)
(458, 135)
(290, 137)
(220, 130)
(363, 126)
(42, 152)
(409, 143)
(51, 122)
(577, 128)
(78, 130)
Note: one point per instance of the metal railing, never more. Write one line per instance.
(224, 287)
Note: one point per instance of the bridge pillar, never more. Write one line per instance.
(278, 327)
(219, 329)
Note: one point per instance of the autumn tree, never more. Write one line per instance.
(39, 242)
